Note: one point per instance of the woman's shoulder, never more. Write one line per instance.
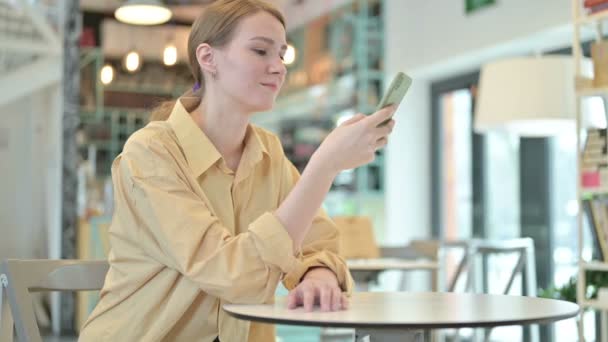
(151, 144)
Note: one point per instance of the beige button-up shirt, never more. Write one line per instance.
(189, 235)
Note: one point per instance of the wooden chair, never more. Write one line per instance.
(474, 264)
(19, 278)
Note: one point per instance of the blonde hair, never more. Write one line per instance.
(215, 26)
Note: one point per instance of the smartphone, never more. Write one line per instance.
(395, 92)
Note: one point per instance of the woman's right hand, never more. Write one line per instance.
(350, 145)
(354, 143)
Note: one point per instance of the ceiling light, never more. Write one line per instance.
(107, 74)
(143, 12)
(132, 61)
(170, 55)
(290, 55)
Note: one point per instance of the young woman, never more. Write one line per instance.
(207, 208)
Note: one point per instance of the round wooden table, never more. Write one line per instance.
(399, 316)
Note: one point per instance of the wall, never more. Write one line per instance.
(426, 33)
(30, 153)
(432, 40)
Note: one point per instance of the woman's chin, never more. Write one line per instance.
(262, 107)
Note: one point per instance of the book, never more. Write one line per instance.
(594, 160)
(595, 211)
(595, 151)
(598, 8)
(591, 3)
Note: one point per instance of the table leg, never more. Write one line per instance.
(391, 335)
(603, 332)
(581, 327)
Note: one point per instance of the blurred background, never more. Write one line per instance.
(501, 136)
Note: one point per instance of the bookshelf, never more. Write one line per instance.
(588, 194)
(584, 19)
(592, 91)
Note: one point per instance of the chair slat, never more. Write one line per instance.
(27, 276)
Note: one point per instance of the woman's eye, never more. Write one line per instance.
(260, 52)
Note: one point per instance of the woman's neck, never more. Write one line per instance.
(225, 128)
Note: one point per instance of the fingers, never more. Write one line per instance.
(382, 133)
(330, 298)
(292, 299)
(325, 298)
(345, 301)
(380, 143)
(336, 299)
(354, 119)
(384, 130)
(382, 115)
(309, 298)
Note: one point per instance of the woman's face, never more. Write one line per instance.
(250, 69)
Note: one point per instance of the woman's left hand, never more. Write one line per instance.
(318, 286)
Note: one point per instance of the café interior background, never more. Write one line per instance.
(75, 83)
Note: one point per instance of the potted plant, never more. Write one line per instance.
(595, 281)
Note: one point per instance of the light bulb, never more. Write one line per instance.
(143, 12)
(132, 61)
(170, 55)
(290, 55)
(107, 74)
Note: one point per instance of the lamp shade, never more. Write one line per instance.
(143, 12)
(532, 96)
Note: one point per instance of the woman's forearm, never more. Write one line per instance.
(300, 206)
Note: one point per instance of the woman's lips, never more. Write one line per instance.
(272, 86)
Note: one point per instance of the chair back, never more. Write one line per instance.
(20, 278)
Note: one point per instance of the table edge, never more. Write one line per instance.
(401, 325)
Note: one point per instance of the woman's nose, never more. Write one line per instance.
(278, 67)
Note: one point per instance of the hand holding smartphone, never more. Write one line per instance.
(395, 92)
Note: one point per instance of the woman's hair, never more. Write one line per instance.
(215, 26)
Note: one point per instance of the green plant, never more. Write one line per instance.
(566, 292)
(595, 280)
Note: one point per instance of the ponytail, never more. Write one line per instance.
(164, 109)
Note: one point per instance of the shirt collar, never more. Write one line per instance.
(253, 153)
(200, 152)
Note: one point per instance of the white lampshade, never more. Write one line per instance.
(143, 12)
(530, 96)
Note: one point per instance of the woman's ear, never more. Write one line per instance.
(204, 56)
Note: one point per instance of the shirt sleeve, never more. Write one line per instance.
(320, 247)
(177, 229)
